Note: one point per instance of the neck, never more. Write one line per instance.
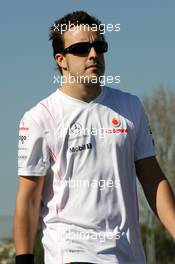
(81, 91)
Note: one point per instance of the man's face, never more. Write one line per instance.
(88, 65)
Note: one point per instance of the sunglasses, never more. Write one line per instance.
(83, 48)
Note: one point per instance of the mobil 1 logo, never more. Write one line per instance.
(83, 147)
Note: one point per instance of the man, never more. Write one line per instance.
(80, 150)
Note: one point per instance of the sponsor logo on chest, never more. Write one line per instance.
(83, 147)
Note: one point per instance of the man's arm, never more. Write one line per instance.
(27, 213)
(157, 191)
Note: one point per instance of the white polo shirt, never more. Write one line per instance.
(87, 153)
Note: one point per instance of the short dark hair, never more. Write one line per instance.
(74, 18)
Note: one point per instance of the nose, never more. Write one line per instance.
(92, 53)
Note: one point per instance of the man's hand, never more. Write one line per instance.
(157, 191)
(27, 213)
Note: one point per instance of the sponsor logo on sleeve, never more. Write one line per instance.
(22, 157)
(22, 138)
(23, 127)
(151, 133)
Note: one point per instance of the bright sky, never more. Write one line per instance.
(142, 53)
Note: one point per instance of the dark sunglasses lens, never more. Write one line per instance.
(101, 47)
(80, 48)
(84, 48)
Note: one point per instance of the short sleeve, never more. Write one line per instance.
(33, 150)
(144, 144)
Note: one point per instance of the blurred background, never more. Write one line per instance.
(142, 53)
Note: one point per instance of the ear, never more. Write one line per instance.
(61, 60)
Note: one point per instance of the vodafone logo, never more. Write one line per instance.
(116, 122)
(117, 127)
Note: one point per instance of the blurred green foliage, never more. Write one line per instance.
(164, 245)
(38, 250)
